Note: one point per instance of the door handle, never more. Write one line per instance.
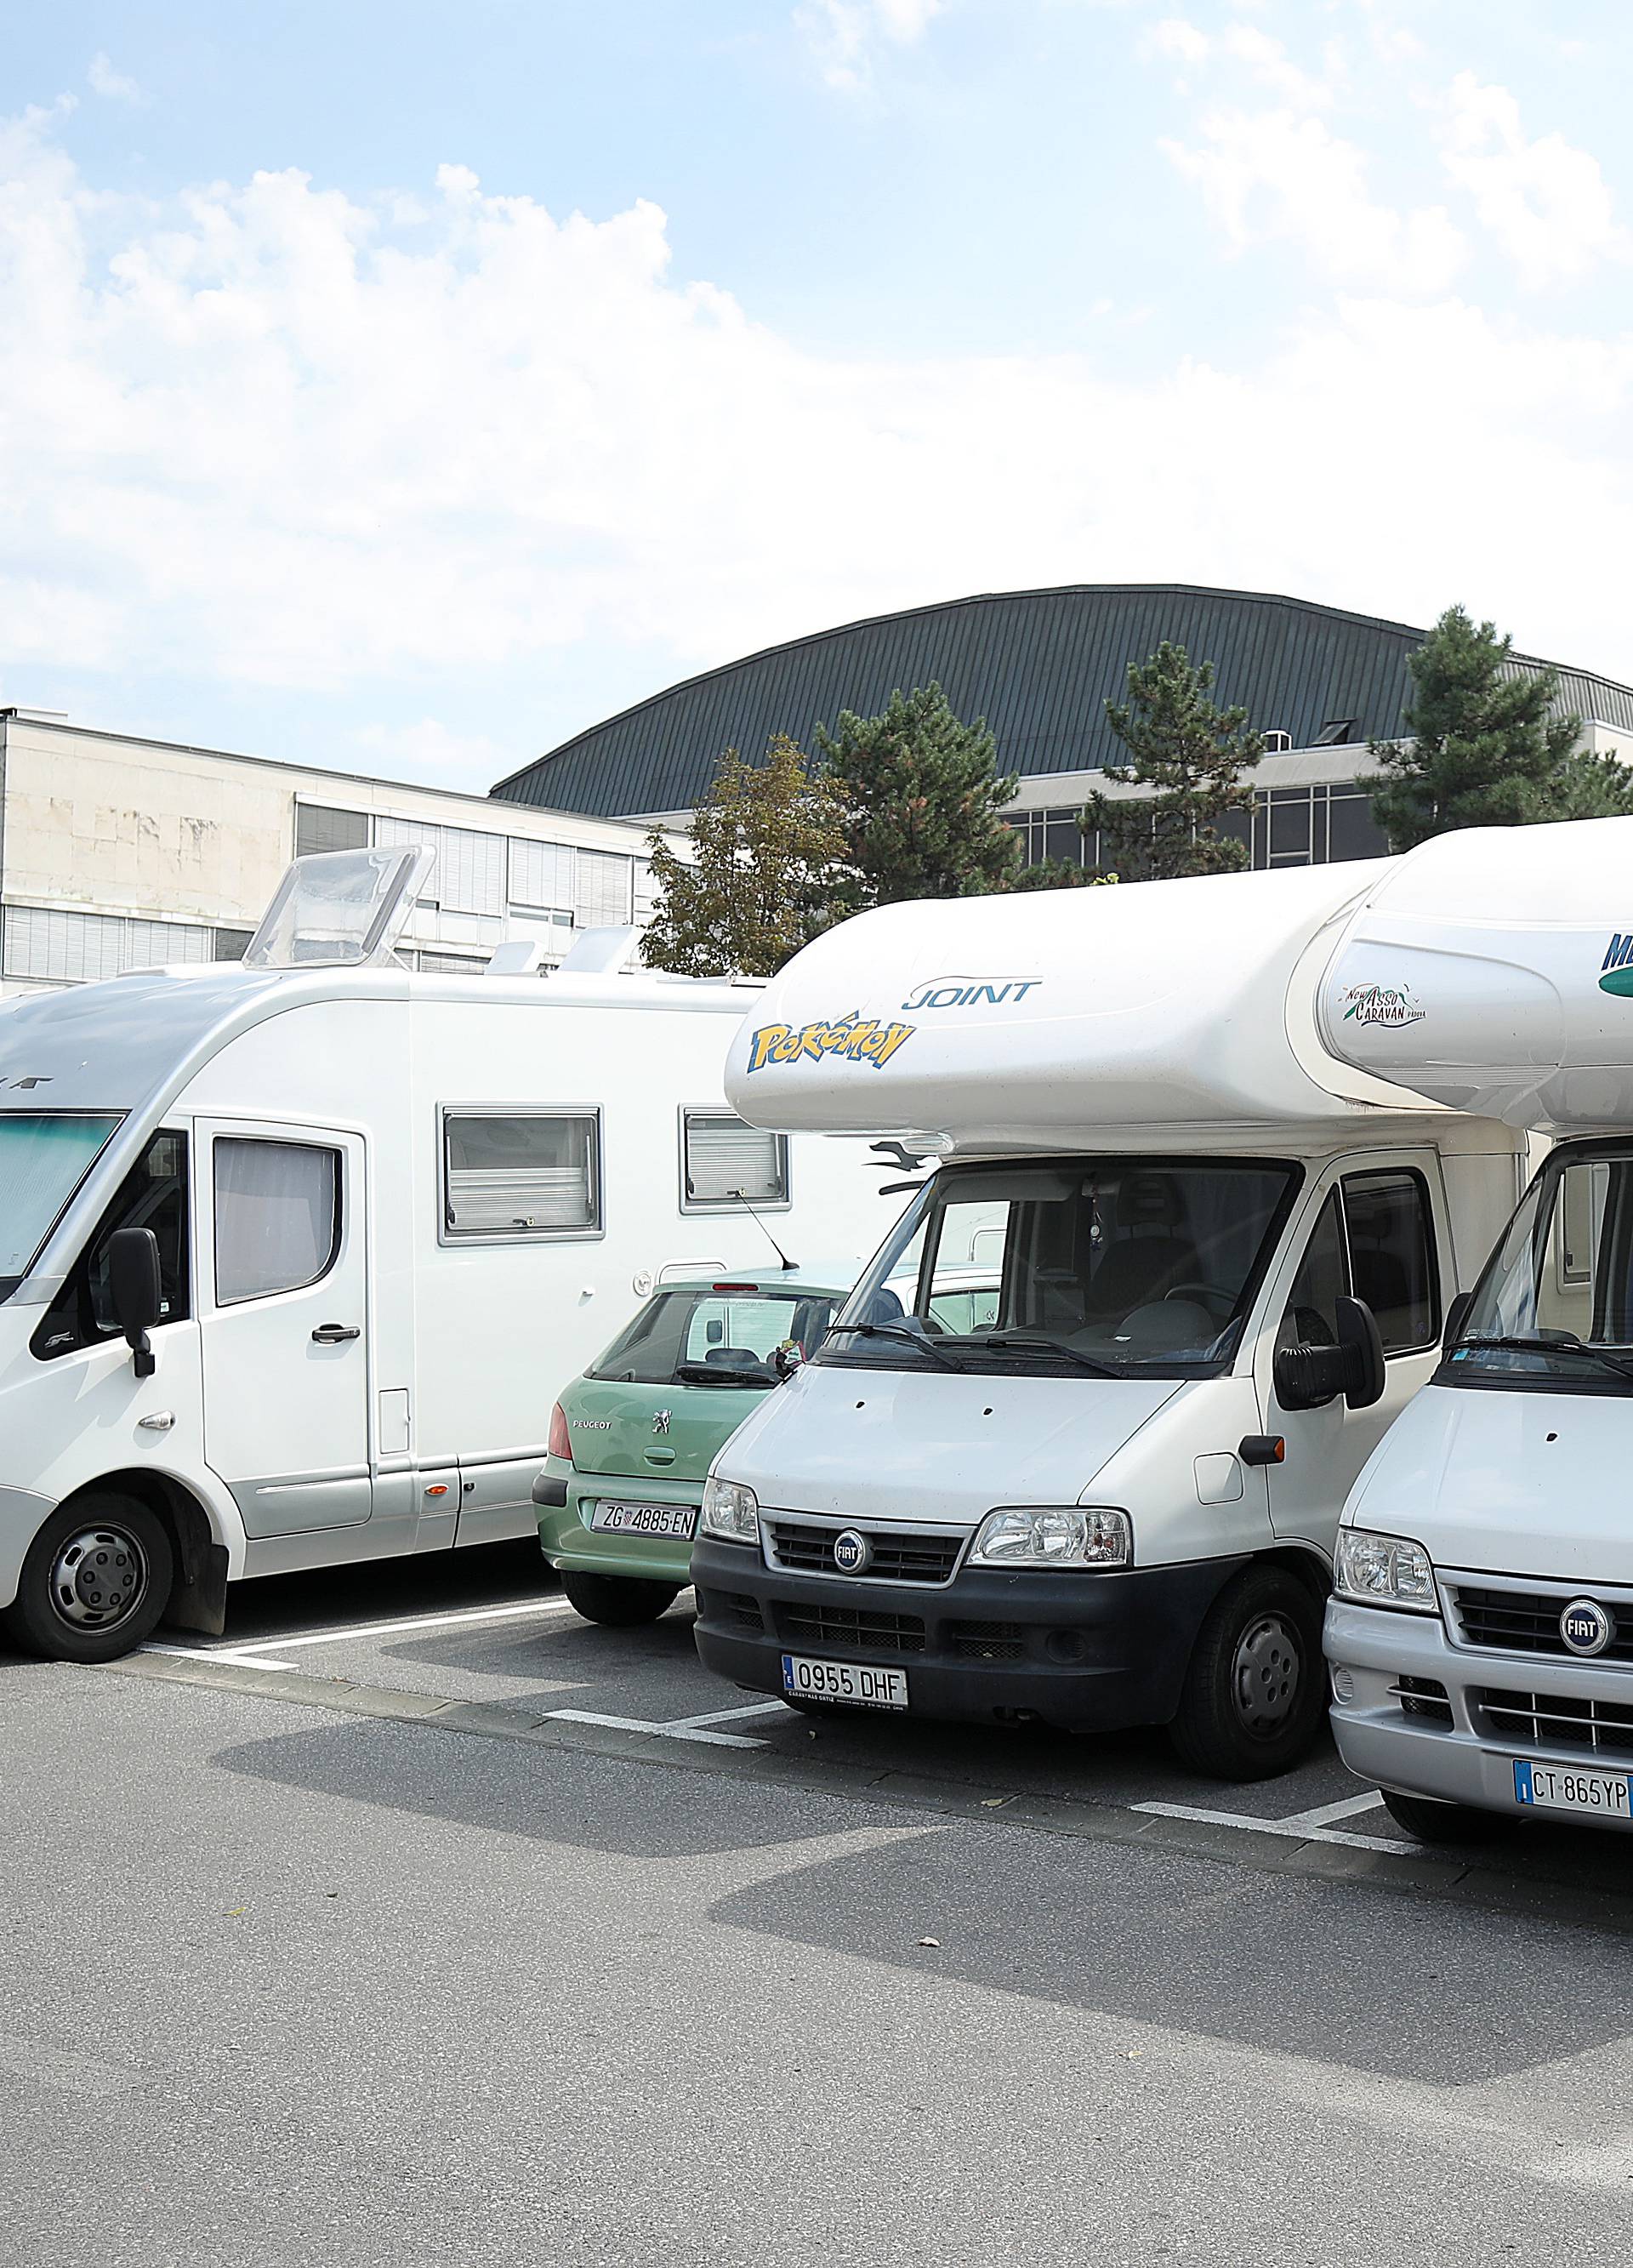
(332, 1334)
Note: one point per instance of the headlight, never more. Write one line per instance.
(1046, 1536)
(1384, 1571)
(730, 1510)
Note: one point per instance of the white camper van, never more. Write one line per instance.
(1209, 1260)
(1480, 1638)
(295, 1255)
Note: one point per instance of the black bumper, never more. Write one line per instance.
(1088, 1653)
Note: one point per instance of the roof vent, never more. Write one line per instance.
(1277, 744)
(1336, 732)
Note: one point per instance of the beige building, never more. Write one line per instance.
(120, 853)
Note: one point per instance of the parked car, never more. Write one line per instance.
(632, 1439)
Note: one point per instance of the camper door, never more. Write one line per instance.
(284, 1319)
(1375, 1228)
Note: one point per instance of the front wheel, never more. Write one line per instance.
(1251, 1703)
(621, 1600)
(1439, 1822)
(95, 1582)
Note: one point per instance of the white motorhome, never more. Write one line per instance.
(1211, 1262)
(1481, 1637)
(295, 1255)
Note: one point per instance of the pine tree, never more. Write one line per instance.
(1193, 754)
(1488, 745)
(1058, 874)
(922, 794)
(769, 850)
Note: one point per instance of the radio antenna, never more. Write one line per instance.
(764, 1231)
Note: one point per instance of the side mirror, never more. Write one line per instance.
(787, 1358)
(134, 1289)
(1362, 1345)
(1307, 1377)
(1456, 1316)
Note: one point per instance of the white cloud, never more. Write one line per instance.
(846, 36)
(113, 85)
(1547, 205)
(1264, 60)
(1269, 177)
(268, 436)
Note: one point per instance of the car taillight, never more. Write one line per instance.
(560, 1443)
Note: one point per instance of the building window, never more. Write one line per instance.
(318, 827)
(604, 893)
(510, 1173)
(56, 946)
(230, 944)
(277, 1217)
(723, 1160)
(449, 964)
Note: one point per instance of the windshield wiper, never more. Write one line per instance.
(1019, 1342)
(1509, 1342)
(919, 1339)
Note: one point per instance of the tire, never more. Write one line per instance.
(1254, 1693)
(95, 1582)
(620, 1601)
(1440, 1822)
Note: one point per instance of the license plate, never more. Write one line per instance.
(848, 1682)
(645, 1519)
(1557, 1787)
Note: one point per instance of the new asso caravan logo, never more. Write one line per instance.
(1616, 971)
(852, 1038)
(1382, 1004)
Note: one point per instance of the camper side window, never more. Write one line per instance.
(1376, 1239)
(518, 1173)
(153, 1195)
(723, 1160)
(277, 1216)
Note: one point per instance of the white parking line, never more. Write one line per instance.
(726, 1716)
(260, 1646)
(1300, 1833)
(218, 1653)
(1327, 1815)
(681, 1729)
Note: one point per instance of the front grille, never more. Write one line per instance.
(735, 1607)
(1556, 1720)
(852, 1626)
(1527, 1622)
(987, 1641)
(807, 1548)
(1425, 1698)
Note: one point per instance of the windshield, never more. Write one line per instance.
(1099, 1265)
(730, 1331)
(44, 1156)
(1554, 1305)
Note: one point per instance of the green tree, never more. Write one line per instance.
(1489, 746)
(769, 847)
(922, 794)
(1058, 874)
(1194, 754)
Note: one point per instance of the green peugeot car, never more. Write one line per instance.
(632, 1440)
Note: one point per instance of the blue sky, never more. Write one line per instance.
(404, 387)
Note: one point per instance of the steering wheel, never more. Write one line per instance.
(1219, 1304)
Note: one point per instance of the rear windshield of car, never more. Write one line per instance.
(733, 1332)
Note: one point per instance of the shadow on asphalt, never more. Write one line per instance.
(1418, 1989)
(551, 1795)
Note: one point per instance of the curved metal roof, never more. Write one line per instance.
(1037, 665)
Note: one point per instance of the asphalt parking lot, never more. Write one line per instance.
(486, 1642)
(417, 1921)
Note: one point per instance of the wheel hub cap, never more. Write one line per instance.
(97, 1576)
(1265, 1676)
